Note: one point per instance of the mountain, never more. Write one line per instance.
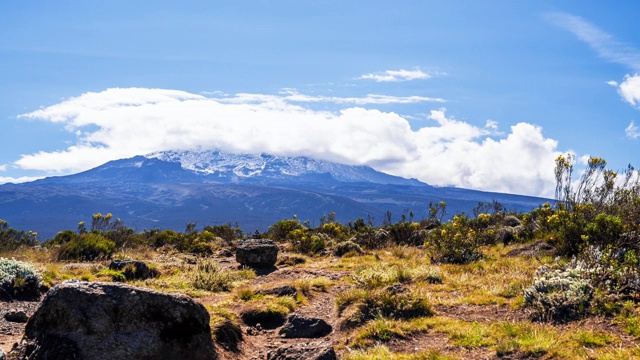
(170, 189)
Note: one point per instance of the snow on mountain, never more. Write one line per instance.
(246, 166)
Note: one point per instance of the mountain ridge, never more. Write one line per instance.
(171, 189)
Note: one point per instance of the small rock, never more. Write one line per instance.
(17, 316)
(303, 352)
(225, 253)
(284, 290)
(396, 289)
(298, 326)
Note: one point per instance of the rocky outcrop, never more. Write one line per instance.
(303, 352)
(299, 326)
(257, 253)
(96, 321)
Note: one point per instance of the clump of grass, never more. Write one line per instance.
(305, 285)
(383, 329)
(208, 276)
(591, 339)
(473, 336)
(114, 275)
(382, 275)
(629, 318)
(381, 352)
(291, 260)
(245, 293)
(395, 302)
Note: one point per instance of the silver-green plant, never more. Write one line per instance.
(19, 279)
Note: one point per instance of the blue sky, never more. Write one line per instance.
(475, 94)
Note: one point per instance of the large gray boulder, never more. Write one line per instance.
(257, 253)
(96, 321)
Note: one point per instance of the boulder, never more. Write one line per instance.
(17, 316)
(303, 352)
(257, 253)
(141, 270)
(298, 326)
(96, 321)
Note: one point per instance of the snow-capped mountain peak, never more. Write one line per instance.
(264, 166)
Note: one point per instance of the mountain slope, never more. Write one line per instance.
(171, 189)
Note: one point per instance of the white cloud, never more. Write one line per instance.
(292, 95)
(17, 180)
(491, 125)
(396, 75)
(3, 167)
(603, 43)
(120, 123)
(630, 89)
(632, 131)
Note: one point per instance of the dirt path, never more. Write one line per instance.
(11, 332)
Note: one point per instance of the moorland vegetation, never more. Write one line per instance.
(561, 281)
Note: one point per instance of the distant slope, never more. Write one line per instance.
(170, 189)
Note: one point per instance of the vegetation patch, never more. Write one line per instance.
(359, 306)
(19, 280)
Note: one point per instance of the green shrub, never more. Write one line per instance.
(281, 229)
(307, 244)
(62, 237)
(19, 280)
(227, 232)
(88, 246)
(455, 242)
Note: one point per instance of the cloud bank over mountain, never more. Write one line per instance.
(123, 122)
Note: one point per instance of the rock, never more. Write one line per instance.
(141, 270)
(265, 318)
(303, 352)
(17, 316)
(396, 289)
(284, 290)
(257, 253)
(225, 253)
(3, 355)
(534, 249)
(96, 321)
(298, 326)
